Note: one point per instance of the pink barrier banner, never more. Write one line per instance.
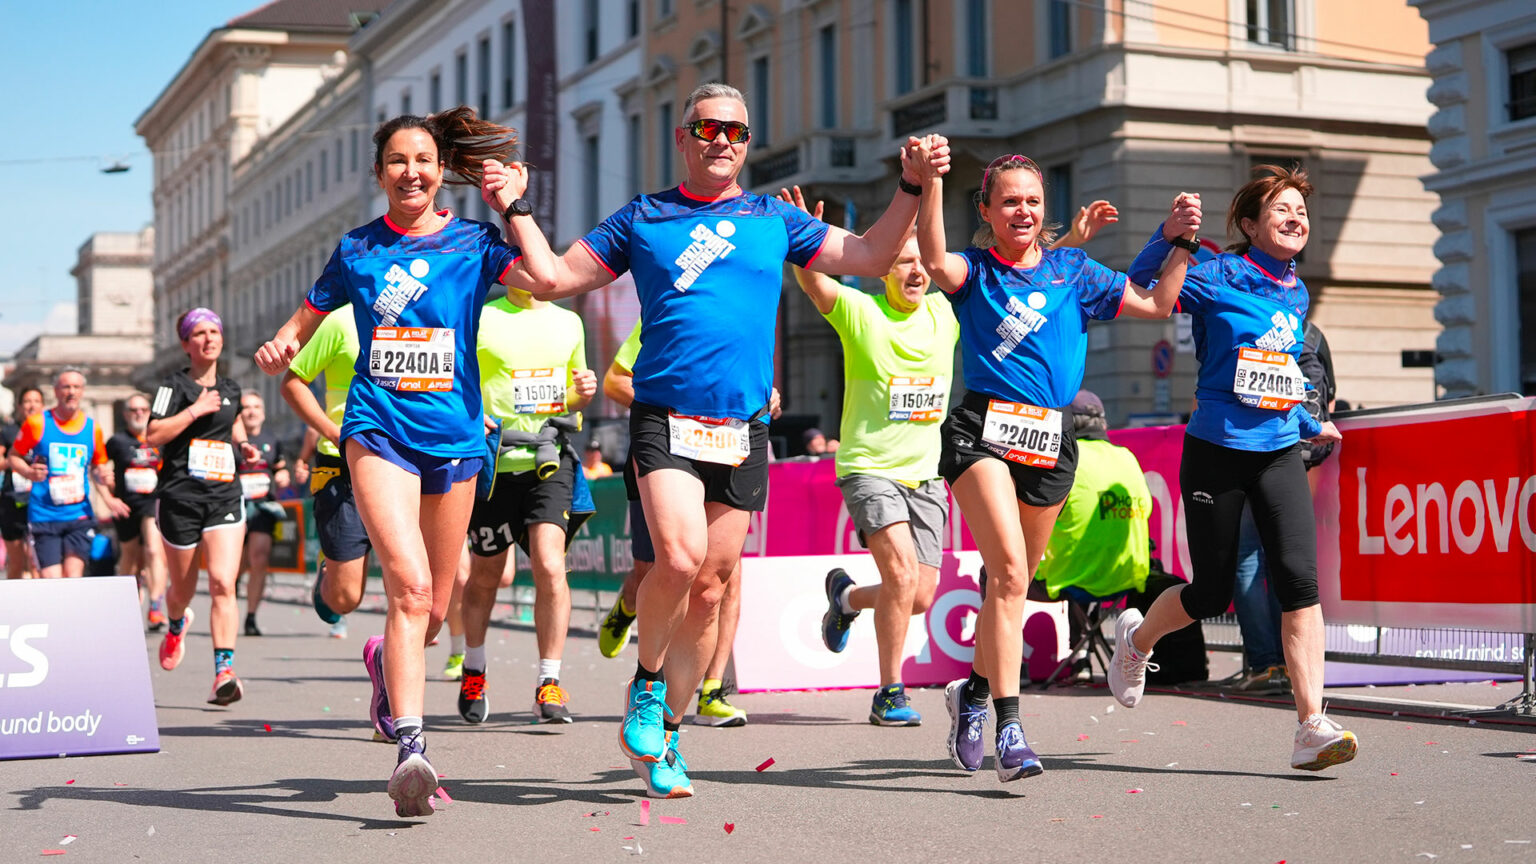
(778, 646)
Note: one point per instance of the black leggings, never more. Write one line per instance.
(1216, 482)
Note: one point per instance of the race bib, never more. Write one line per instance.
(538, 391)
(412, 358)
(141, 481)
(255, 486)
(1021, 433)
(721, 440)
(211, 460)
(1268, 379)
(20, 486)
(917, 399)
(66, 473)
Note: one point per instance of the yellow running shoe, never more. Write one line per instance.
(455, 668)
(613, 635)
(713, 710)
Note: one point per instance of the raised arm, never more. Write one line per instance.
(1159, 300)
(822, 289)
(1089, 222)
(873, 252)
(535, 271)
(947, 270)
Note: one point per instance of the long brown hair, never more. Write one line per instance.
(984, 236)
(463, 141)
(1260, 192)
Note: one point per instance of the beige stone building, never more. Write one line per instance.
(1127, 100)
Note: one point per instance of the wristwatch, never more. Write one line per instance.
(518, 207)
(1192, 244)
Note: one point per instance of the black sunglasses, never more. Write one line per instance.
(709, 130)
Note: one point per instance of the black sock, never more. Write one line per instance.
(976, 690)
(1007, 709)
(178, 624)
(644, 674)
(671, 725)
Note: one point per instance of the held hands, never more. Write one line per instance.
(798, 199)
(209, 401)
(1329, 435)
(502, 183)
(1183, 217)
(1093, 218)
(585, 382)
(924, 159)
(273, 357)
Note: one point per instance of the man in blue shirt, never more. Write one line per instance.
(707, 259)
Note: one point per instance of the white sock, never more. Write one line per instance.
(474, 658)
(457, 643)
(843, 598)
(549, 669)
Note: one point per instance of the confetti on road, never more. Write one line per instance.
(1181, 722)
(266, 727)
(1093, 718)
(1430, 855)
(1245, 804)
(1133, 791)
(151, 830)
(69, 782)
(729, 827)
(1096, 817)
(1394, 773)
(645, 813)
(594, 829)
(53, 851)
(68, 839)
(766, 764)
(673, 820)
(1109, 710)
(1082, 737)
(443, 794)
(1171, 765)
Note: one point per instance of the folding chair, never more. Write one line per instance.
(1090, 613)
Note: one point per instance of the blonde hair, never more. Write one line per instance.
(984, 236)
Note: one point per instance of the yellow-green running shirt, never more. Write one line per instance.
(527, 361)
(332, 351)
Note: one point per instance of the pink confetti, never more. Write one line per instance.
(71, 782)
(1082, 737)
(1394, 773)
(443, 794)
(594, 829)
(266, 727)
(729, 827)
(629, 838)
(1132, 791)
(1095, 817)
(1426, 744)
(766, 765)
(645, 813)
(673, 820)
(53, 851)
(1181, 723)
(442, 776)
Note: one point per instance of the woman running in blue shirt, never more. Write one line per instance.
(1008, 451)
(1242, 445)
(413, 432)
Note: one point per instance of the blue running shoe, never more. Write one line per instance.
(966, 723)
(668, 777)
(378, 706)
(414, 780)
(835, 623)
(325, 612)
(892, 708)
(1014, 757)
(641, 735)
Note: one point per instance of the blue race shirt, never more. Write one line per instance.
(1024, 331)
(66, 495)
(708, 274)
(417, 383)
(1238, 301)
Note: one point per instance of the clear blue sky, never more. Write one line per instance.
(78, 73)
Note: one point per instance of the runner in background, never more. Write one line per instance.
(342, 575)
(1242, 447)
(261, 477)
(58, 450)
(195, 421)
(136, 467)
(16, 491)
(533, 370)
(414, 429)
(1008, 449)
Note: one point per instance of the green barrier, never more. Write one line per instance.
(599, 557)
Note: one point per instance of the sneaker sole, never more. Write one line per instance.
(877, 720)
(952, 703)
(539, 715)
(485, 704)
(412, 785)
(720, 722)
(643, 773)
(1033, 769)
(832, 610)
(1337, 753)
(231, 692)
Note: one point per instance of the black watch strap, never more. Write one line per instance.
(1192, 245)
(518, 207)
(909, 188)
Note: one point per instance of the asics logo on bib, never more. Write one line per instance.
(1022, 320)
(706, 248)
(1281, 336)
(400, 291)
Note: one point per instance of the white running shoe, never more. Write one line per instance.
(1127, 669)
(1320, 742)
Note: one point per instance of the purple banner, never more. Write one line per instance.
(541, 129)
(74, 676)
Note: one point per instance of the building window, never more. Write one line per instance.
(435, 92)
(1525, 286)
(976, 64)
(668, 145)
(760, 101)
(589, 30)
(484, 76)
(663, 9)
(461, 79)
(827, 50)
(634, 146)
(405, 101)
(325, 168)
(905, 49)
(1270, 22)
(1058, 195)
(632, 19)
(309, 182)
(354, 151)
(508, 59)
(1522, 82)
(1060, 27)
(589, 181)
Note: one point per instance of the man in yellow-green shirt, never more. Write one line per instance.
(898, 362)
(533, 367)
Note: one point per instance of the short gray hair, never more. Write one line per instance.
(250, 392)
(71, 370)
(712, 90)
